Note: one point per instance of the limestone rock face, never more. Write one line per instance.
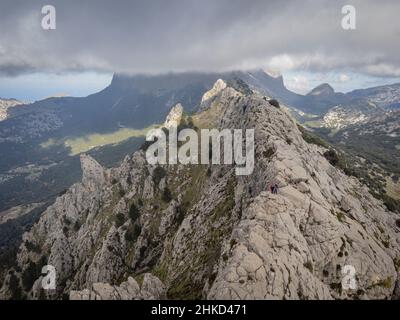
(92, 170)
(174, 116)
(151, 289)
(213, 92)
(200, 231)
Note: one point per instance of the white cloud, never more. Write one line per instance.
(299, 84)
(282, 63)
(160, 36)
(344, 77)
(383, 69)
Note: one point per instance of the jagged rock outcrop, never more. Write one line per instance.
(151, 289)
(200, 231)
(208, 97)
(174, 117)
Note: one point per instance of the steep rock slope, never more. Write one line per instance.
(200, 231)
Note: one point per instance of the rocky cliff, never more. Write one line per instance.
(199, 231)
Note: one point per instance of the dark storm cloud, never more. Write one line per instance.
(169, 35)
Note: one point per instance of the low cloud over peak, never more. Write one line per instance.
(161, 36)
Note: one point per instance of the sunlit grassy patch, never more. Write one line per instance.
(49, 143)
(313, 124)
(90, 141)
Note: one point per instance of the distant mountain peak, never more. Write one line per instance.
(322, 90)
(272, 73)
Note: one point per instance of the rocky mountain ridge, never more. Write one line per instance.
(200, 231)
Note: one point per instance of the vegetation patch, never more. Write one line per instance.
(166, 195)
(274, 103)
(88, 142)
(134, 212)
(133, 232)
(309, 266)
(340, 216)
(158, 174)
(32, 273)
(386, 283)
(119, 219)
(312, 138)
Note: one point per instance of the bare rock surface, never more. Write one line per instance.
(174, 116)
(151, 289)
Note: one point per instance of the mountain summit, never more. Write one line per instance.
(322, 90)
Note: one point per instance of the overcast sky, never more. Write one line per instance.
(301, 39)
